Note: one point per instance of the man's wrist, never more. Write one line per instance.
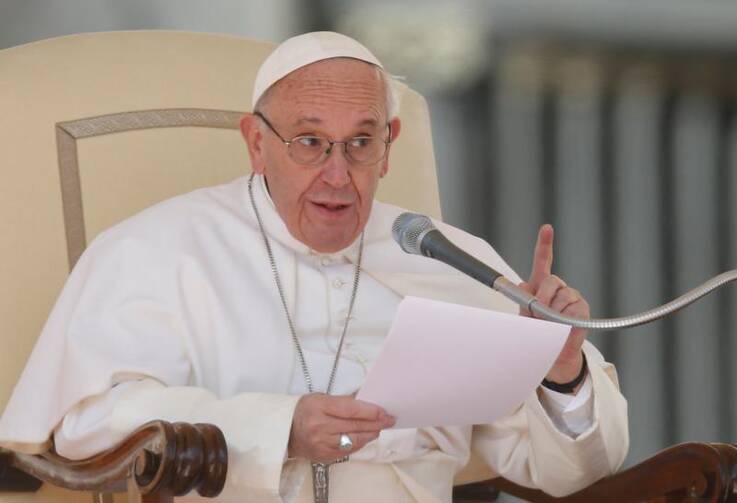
(571, 385)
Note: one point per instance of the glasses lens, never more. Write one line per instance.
(365, 149)
(308, 149)
(359, 150)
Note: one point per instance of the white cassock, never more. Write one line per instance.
(174, 315)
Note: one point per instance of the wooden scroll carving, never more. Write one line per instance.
(691, 472)
(159, 458)
(174, 459)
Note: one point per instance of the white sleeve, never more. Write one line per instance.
(529, 448)
(85, 430)
(256, 427)
(571, 414)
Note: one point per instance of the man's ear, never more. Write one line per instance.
(254, 140)
(396, 127)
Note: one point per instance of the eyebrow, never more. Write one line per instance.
(311, 120)
(317, 120)
(368, 122)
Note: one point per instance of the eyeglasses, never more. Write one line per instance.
(312, 150)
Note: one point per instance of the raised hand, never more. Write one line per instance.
(320, 419)
(553, 292)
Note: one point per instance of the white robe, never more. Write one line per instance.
(181, 299)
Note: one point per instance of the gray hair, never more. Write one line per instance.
(391, 88)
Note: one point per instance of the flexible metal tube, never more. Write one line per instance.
(524, 299)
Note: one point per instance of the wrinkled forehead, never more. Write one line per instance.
(335, 82)
(332, 75)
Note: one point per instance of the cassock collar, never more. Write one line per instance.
(277, 229)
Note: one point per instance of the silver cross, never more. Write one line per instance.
(321, 480)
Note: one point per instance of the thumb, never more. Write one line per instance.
(527, 288)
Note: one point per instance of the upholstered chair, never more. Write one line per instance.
(96, 127)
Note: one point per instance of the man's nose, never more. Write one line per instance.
(335, 169)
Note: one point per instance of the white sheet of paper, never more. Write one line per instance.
(447, 364)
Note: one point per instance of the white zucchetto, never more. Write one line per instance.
(302, 50)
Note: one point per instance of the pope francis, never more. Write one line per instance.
(260, 305)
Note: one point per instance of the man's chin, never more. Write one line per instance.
(329, 236)
(330, 242)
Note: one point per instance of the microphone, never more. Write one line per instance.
(417, 234)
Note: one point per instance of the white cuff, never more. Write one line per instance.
(571, 414)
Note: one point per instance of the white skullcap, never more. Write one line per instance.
(302, 50)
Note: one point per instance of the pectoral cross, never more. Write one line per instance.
(321, 480)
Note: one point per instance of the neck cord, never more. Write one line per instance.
(277, 280)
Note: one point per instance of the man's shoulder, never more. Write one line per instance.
(386, 213)
(184, 217)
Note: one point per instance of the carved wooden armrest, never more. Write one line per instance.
(694, 472)
(159, 457)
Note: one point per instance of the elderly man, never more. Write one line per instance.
(259, 306)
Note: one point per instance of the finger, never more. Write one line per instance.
(563, 298)
(527, 288)
(549, 288)
(542, 260)
(327, 450)
(578, 309)
(347, 407)
(335, 425)
(577, 336)
(359, 439)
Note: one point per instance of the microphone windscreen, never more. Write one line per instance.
(408, 230)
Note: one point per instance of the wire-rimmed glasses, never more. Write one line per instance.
(312, 150)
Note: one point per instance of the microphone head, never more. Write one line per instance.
(409, 229)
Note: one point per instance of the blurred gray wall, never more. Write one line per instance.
(24, 21)
(616, 122)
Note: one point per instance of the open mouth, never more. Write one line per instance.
(331, 206)
(331, 210)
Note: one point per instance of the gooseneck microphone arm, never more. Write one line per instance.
(416, 234)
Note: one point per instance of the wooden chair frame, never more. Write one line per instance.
(159, 460)
(162, 460)
(688, 472)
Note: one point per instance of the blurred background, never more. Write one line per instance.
(612, 119)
